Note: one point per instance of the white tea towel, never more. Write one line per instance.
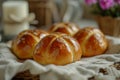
(93, 68)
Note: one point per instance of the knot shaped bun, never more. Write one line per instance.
(92, 41)
(23, 45)
(67, 28)
(57, 48)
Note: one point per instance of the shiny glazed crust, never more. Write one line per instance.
(92, 41)
(24, 44)
(57, 48)
(67, 28)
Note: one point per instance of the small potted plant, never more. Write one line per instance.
(107, 14)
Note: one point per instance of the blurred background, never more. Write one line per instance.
(44, 13)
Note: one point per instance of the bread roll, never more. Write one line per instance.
(67, 28)
(57, 49)
(92, 41)
(23, 45)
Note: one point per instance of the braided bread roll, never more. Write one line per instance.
(23, 45)
(67, 28)
(92, 41)
(57, 49)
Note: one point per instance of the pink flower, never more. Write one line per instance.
(106, 4)
(90, 2)
(117, 1)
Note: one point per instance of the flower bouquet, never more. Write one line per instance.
(107, 15)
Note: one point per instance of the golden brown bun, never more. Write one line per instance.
(23, 45)
(67, 28)
(58, 49)
(92, 41)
